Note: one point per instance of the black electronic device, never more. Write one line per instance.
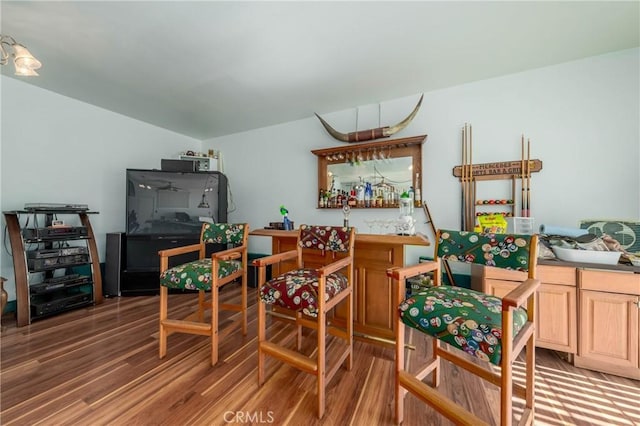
(169, 165)
(49, 263)
(167, 203)
(55, 207)
(50, 303)
(113, 264)
(49, 253)
(164, 210)
(53, 232)
(55, 283)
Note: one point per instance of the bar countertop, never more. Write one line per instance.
(417, 240)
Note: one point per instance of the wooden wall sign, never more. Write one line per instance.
(504, 169)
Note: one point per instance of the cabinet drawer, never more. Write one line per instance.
(556, 275)
(610, 281)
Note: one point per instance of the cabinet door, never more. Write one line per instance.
(609, 328)
(376, 314)
(555, 313)
(375, 301)
(556, 317)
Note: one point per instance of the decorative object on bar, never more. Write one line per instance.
(286, 223)
(371, 134)
(346, 210)
(23, 61)
(406, 224)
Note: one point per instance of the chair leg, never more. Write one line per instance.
(201, 305)
(530, 373)
(506, 364)
(399, 393)
(163, 316)
(244, 304)
(321, 361)
(214, 323)
(262, 314)
(349, 360)
(506, 395)
(298, 332)
(437, 346)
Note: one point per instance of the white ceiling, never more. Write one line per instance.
(212, 68)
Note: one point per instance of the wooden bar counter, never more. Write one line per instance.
(375, 301)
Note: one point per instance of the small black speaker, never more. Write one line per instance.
(114, 264)
(170, 165)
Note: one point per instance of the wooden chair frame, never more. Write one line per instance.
(522, 295)
(195, 322)
(324, 367)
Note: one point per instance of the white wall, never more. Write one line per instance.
(582, 117)
(55, 149)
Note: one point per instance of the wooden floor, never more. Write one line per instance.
(100, 366)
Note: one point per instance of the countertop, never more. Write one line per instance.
(417, 240)
(617, 267)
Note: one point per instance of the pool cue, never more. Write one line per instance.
(462, 178)
(445, 263)
(472, 187)
(528, 177)
(467, 181)
(523, 201)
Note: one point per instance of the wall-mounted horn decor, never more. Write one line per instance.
(371, 134)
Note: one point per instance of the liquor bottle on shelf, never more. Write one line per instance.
(368, 195)
(360, 193)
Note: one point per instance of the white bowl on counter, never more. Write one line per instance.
(587, 256)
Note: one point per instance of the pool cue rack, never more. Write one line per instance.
(515, 171)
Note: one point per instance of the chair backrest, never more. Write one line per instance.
(509, 251)
(326, 238)
(224, 233)
(314, 241)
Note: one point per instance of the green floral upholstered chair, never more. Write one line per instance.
(322, 278)
(480, 325)
(206, 274)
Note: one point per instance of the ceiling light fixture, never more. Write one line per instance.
(25, 63)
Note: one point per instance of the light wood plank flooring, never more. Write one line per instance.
(100, 366)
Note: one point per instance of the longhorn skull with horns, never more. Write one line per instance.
(371, 134)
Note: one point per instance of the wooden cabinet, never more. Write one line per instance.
(592, 313)
(556, 311)
(609, 322)
(375, 301)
